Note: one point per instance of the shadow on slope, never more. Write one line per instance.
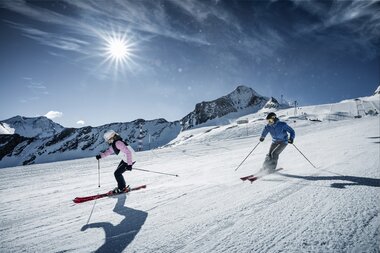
(351, 180)
(375, 137)
(118, 237)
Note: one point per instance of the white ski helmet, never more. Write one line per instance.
(109, 135)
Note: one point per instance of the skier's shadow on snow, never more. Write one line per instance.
(351, 180)
(118, 237)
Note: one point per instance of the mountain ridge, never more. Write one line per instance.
(28, 140)
(39, 126)
(62, 143)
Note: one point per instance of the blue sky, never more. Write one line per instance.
(56, 56)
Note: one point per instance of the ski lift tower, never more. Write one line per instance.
(140, 147)
(149, 140)
(295, 108)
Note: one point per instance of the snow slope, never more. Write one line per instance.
(334, 208)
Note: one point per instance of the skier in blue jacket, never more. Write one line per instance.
(279, 131)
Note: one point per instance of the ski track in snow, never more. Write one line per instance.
(334, 208)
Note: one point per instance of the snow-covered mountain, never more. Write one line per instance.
(377, 91)
(243, 99)
(39, 139)
(30, 127)
(273, 105)
(73, 143)
(344, 110)
(36, 140)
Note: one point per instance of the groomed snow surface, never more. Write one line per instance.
(334, 208)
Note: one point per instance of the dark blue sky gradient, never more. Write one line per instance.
(184, 52)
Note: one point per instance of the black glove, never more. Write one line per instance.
(129, 167)
(262, 139)
(98, 157)
(290, 140)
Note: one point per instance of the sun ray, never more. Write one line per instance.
(119, 51)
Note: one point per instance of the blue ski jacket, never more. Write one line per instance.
(279, 131)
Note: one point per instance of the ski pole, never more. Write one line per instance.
(247, 156)
(98, 173)
(304, 155)
(162, 173)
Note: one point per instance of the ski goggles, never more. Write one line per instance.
(110, 141)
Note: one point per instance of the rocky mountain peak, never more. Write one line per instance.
(242, 98)
(272, 103)
(33, 126)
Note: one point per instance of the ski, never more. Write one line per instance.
(108, 194)
(246, 177)
(252, 177)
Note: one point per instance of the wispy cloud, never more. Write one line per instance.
(145, 16)
(34, 12)
(146, 19)
(149, 17)
(51, 39)
(37, 87)
(35, 90)
(53, 114)
(201, 11)
(361, 19)
(86, 33)
(80, 122)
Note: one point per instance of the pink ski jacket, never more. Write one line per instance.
(125, 153)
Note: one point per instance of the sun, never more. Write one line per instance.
(118, 49)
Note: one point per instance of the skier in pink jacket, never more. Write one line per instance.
(121, 148)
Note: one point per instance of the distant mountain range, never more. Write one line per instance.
(72, 143)
(36, 140)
